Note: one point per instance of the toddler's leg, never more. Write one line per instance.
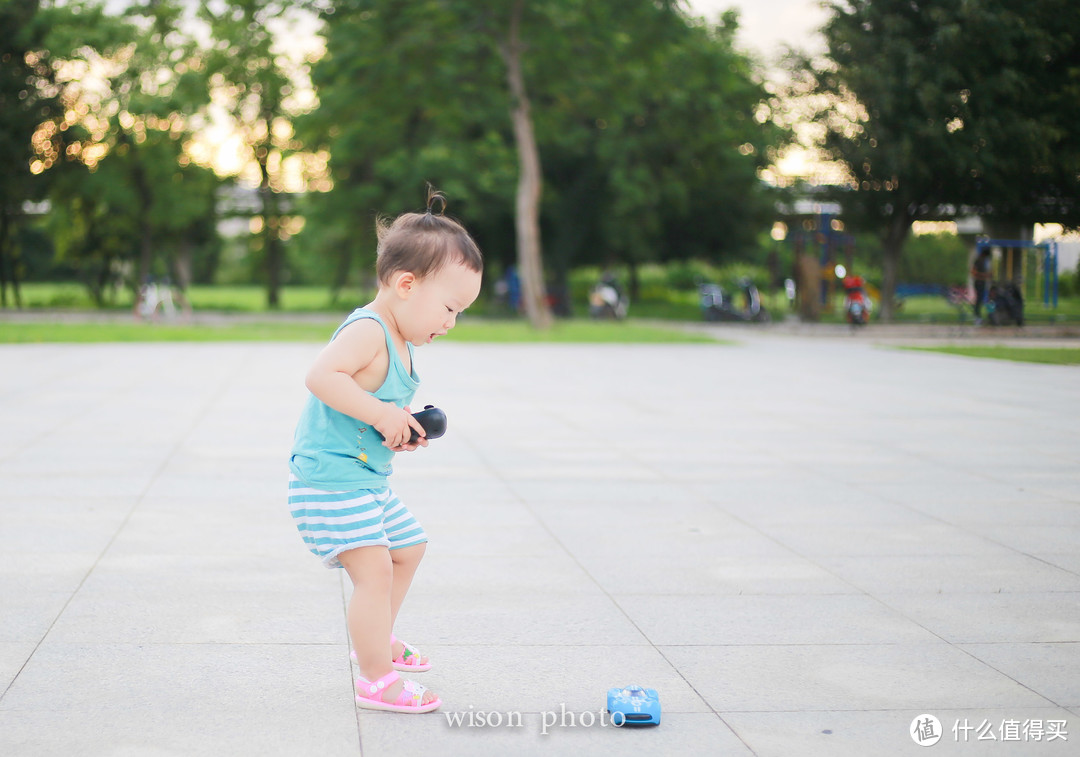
(372, 572)
(368, 616)
(406, 560)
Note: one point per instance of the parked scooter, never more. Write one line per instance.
(857, 303)
(608, 300)
(1005, 304)
(718, 305)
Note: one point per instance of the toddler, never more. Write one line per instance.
(429, 270)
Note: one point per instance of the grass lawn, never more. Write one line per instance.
(468, 330)
(232, 299)
(660, 304)
(89, 332)
(1050, 355)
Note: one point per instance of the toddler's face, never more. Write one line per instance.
(436, 302)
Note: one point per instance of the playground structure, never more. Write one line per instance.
(824, 254)
(820, 245)
(1012, 264)
(1011, 267)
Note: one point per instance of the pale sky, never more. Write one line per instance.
(766, 25)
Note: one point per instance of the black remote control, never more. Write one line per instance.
(434, 422)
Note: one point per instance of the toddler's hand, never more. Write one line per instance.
(409, 445)
(396, 425)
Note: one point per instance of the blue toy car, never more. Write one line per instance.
(633, 705)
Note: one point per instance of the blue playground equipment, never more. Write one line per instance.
(1049, 263)
(822, 234)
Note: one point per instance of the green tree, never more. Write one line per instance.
(672, 124)
(649, 150)
(939, 259)
(409, 92)
(251, 77)
(91, 224)
(1020, 107)
(931, 106)
(29, 110)
(530, 257)
(130, 84)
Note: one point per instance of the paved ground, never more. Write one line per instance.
(803, 544)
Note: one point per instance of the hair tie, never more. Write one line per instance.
(435, 196)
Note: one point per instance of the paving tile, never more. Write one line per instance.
(553, 485)
(888, 732)
(1002, 512)
(456, 491)
(916, 537)
(202, 600)
(811, 677)
(780, 498)
(454, 575)
(72, 487)
(61, 573)
(760, 619)
(549, 677)
(35, 526)
(644, 532)
(712, 574)
(773, 569)
(964, 618)
(997, 571)
(476, 616)
(1048, 669)
(13, 655)
(29, 614)
(1060, 537)
(433, 736)
(180, 699)
(161, 526)
(453, 536)
(843, 734)
(1069, 561)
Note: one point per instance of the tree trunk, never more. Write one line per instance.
(895, 235)
(527, 215)
(145, 196)
(182, 265)
(341, 270)
(3, 257)
(275, 254)
(146, 252)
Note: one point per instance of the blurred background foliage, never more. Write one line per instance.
(206, 144)
(651, 128)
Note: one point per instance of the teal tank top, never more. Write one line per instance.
(336, 452)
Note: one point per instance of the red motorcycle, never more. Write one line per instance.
(857, 303)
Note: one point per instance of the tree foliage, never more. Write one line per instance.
(251, 78)
(123, 188)
(936, 105)
(28, 99)
(408, 92)
(649, 150)
(650, 127)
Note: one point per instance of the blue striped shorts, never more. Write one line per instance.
(333, 522)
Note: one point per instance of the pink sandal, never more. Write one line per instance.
(409, 653)
(369, 695)
(402, 661)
